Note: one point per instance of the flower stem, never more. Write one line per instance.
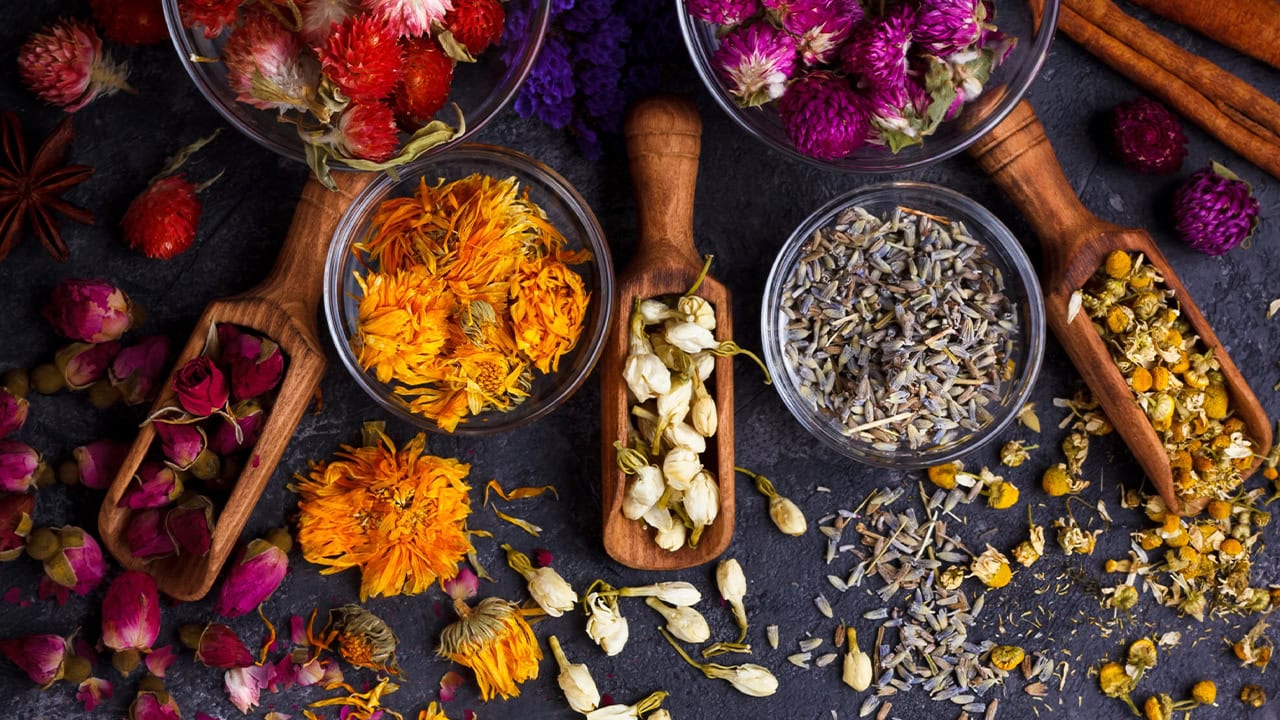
(680, 650)
(697, 282)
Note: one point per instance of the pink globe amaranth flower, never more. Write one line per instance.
(147, 537)
(268, 67)
(16, 511)
(78, 565)
(820, 27)
(1148, 137)
(216, 646)
(131, 612)
(723, 12)
(250, 418)
(137, 370)
(64, 65)
(254, 363)
(755, 62)
(42, 657)
(153, 485)
(215, 16)
(367, 131)
(19, 465)
(83, 364)
(824, 117)
(877, 50)
(13, 412)
(1215, 210)
(181, 444)
(409, 18)
(92, 311)
(150, 705)
(245, 685)
(257, 572)
(318, 17)
(92, 692)
(190, 524)
(99, 461)
(946, 27)
(201, 387)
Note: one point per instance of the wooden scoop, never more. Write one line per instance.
(282, 308)
(1075, 244)
(664, 138)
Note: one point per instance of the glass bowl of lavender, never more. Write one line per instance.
(903, 325)
(868, 86)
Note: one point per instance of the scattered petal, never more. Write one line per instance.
(244, 685)
(519, 493)
(449, 685)
(1273, 308)
(463, 586)
(92, 692)
(159, 660)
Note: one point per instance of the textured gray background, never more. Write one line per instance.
(749, 199)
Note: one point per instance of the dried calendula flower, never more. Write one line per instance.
(786, 515)
(552, 593)
(1015, 452)
(992, 568)
(748, 679)
(1027, 416)
(732, 583)
(1007, 657)
(1158, 707)
(1205, 692)
(1116, 683)
(575, 680)
(944, 475)
(496, 642)
(1253, 696)
(1001, 494)
(857, 671)
(363, 639)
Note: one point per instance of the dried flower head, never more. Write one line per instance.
(64, 64)
(496, 642)
(723, 12)
(362, 57)
(1148, 138)
(992, 568)
(267, 66)
(1215, 210)
(409, 18)
(824, 117)
(362, 638)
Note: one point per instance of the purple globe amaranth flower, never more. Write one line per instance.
(824, 117)
(257, 572)
(99, 461)
(16, 511)
(254, 364)
(723, 12)
(190, 524)
(153, 485)
(131, 612)
(1148, 137)
(877, 51)
(820, 27)
(147, 537)
(945, 27)
(42, 657)
(91, 311)
(755, 62)
(1215, 210)
(137, 370)
(250, 418)
(13, 412)
(78, 564)
(216, 646)
(19, 465)
(83, 364)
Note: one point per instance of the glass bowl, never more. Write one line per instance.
(481, 89)
(1021, 286)
(566, 210)
(1003, 90)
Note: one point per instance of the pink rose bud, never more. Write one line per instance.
(216, 646)
(180, 444)
(245, 685)
(19, 465)
(89, 310)
(463, 586)
(83, 364)
(146, 535)
(78, 565)
(99, 461)
(254, 363)
(13, 412)
(201, 387)
(154, 485)
(154, 705)
(131, 612)
(250, 417)
(257, 572)
(190, 524)
(92, 692)
(15, 523)
(137, 370)
(42, 657)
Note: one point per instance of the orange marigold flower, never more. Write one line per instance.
(399, 516)
(496, 642)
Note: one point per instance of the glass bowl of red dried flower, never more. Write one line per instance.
(367, 85)
(868, 87)
(473, 294)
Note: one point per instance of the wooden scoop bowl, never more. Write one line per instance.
(1075, 244)
(282, 308)
(664, 139)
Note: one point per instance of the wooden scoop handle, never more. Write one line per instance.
(664, 141)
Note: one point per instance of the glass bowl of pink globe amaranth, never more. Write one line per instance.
(870, 86)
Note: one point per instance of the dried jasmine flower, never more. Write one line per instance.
(748, 679)
(732, 583)
(857, 671)
(605, 624)
(685, 623)
(629, 712)
(675, 592)
(575, 680)
(784, 513)
(552, 593)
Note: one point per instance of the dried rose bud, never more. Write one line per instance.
(154, 704)
(216, 646)
(19, 466)
(185, 447)
(83, 364)
(201, 387)
(15, 523)
(255, 575)
(1215, 210)
(190, 524)
(13, 412)
(136, 371)
(78, 564)
(42, 657)
(99, 461)
(147, 537)
(255, 364)
(1149, 138)
(92, 692)
(130, 616)
(464, 586)
(250, 417)
(92, 311)
(153, 485)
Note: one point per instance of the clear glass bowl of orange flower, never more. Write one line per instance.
(473, 294)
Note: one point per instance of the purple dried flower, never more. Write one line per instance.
(605, 45)
(755, 62)
(877, 51)
(99, 461)
(723, 12)
(1215, 210)
(945, 27)
(548, 92)
(820, 27)
(583, 16)
(824, 117)
(1148, 137)
(136, 371)
(13, 412)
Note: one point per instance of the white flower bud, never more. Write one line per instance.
(552, 593)
(653, 311)
(675, 592)
(705, 362)
(673, 405)
(660, 714)
(732, 583)
(606, 625)
(702, 499)
(685, 623)
(626, 712)
(575, 680)
(705, 419)
(679, 467)
(671, 356)
(659, 518)
(646, 376)
(672, 538)
(787, 516)
(698, 311)
(690, 337)
(643, 492)
(857, 664)
(684, 434)
(749, 679)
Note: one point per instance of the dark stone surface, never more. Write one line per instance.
(749, 200)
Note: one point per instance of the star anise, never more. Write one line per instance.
(31, 192)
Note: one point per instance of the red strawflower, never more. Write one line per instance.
(267, 65)
(363, 58)
(214, 16)
(64, 64)
(131, 22)
(477, 24)
(368, 131)
(428, 72)
(161, 222)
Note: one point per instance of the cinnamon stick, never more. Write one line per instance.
(1250, 26)
(1228, 108)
